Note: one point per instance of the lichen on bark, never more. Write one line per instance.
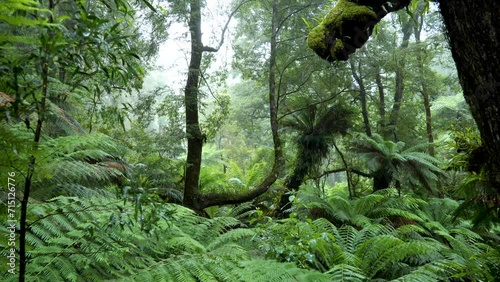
(348, 26)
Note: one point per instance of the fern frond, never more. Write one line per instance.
(186, 244)
(346, 272)
(234, 235)
(267, 270)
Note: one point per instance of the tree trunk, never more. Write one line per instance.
(40, 110)
(381, 106)
(362, 96)
(292, 183)
(213, 199)
(425, 91)
(400, 86)
(473, 30)
(428, 118)
(381, 179)
(193, 132)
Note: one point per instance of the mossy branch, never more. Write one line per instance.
(348, 26)
(217, 199)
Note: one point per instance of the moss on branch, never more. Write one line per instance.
(348, 26)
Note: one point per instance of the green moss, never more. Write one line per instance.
(316, 38)
(346, 10)
(337, 50)
(345, 28)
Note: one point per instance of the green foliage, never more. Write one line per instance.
(155, 150)
(71, 166)
(99, 240)
(95, 239)
(217, 117)
(380, 237)
(315, 124)
(467, 153)
(85, 52)
(452, 107)
(9, 14)
(480, 200)
(470, 159)
(218, 174)
(382, 207)
(409, 165)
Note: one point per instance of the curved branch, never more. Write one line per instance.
(221, 41)
(216, 199)
(219, 199)
(353, 170)
(347, 170)
(313, 104)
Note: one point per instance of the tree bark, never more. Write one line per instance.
(382, 178)
(473, 30)
(425, 91)
(350, 188)
(362, 97)
(381, 95)
(428, 118)
(193, 198)
(400, 86)
(41, 109)
(193, 131)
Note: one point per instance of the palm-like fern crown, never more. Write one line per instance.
(317, 119)
(407, 165)
(315, 124)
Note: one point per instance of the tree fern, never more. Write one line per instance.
(316, 125)
(389, 160)
(59, 122)
(241, 211)
(384, 206)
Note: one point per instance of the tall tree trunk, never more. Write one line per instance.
(362, 96)
(23, 260)
(382, 178)
(293, 183)
(273, 95)
(40, 110)
(425, 90)
(381, 97)
(193, 132)
(473, 30)
(348, 174)
(400, 86)
(428, 118)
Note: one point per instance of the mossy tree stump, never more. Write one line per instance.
(348, 26)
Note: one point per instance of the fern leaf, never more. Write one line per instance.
(345, 272)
